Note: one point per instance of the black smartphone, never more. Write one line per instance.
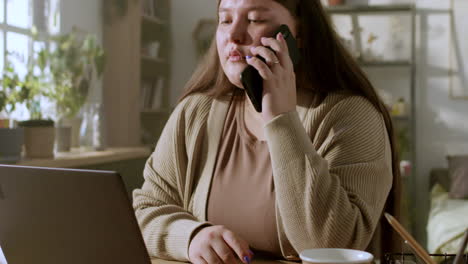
(251, 79)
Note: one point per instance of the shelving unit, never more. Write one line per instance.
(132, 62)
(155, 68)
(405, 123)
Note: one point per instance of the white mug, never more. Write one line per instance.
(335, 256)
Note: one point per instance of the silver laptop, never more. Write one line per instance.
(67, 216)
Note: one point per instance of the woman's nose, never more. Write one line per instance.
(238, 33)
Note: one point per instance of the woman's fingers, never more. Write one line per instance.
(272, 43)
(224, 252)
(240, 247)
(199, 260)
(217, 244)
(210, 256)
(266, 53)
(261, 67)
(277, 53)
(283, 54)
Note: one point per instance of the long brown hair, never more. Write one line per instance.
(326, 66)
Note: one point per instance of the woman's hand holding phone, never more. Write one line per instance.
(279, 80)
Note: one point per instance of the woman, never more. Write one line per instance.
(314, 169)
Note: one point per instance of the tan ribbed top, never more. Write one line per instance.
(331, 163)
(242, 194)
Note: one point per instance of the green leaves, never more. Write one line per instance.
(76, 61)
(63, 72)
(9, 94)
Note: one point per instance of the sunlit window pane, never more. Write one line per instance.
(1, 50)
(18, 53)
(54, 17)
(18, 13)
(2, 11)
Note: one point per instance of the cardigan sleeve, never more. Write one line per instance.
(335, 198)
(166, 226)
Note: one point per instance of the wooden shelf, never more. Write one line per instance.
(152, 29)
(152, 68)
(153, 21)
(156, 28)
(346, 9)
(152, 60)
(400, 63)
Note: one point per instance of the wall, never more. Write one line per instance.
(185, 16)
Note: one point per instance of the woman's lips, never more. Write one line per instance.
(235, 56)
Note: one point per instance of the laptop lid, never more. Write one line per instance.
(61, 216)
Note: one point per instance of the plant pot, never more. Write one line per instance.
(39, 136)
(11, 143)
(63, 138)
(75, 124)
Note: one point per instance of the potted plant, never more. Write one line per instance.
(11, 138)
(39, 133)
(75, 65)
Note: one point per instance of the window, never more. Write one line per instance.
(17, 17)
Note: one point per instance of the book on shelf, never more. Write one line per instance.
(151, 49)
(157, 94)
(153, 8)
(152, 94)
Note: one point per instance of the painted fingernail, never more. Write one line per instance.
(280, 35)
(248, 57)
(247, 259)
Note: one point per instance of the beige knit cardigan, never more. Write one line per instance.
(331, 166)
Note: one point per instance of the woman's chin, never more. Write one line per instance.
(235, 80)
(233, 72)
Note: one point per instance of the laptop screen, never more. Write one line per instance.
(67, 216)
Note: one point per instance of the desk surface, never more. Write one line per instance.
(255, 261)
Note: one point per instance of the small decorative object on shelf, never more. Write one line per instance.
(92, 131)
(405, 168)
(399, 108)
(369, 54)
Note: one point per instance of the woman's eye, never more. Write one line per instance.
(256, 21)
(224, 22)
